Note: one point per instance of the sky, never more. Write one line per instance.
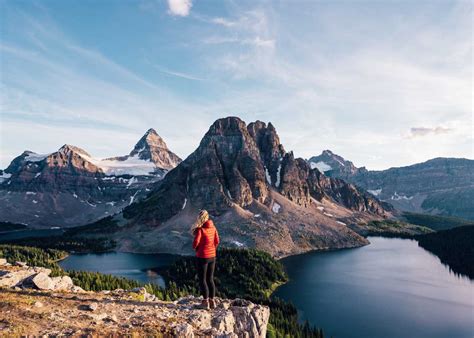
(381, 83)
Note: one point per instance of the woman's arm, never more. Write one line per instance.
(216, 239)
(197, 239)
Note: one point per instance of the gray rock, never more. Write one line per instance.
(62, 283)
(184, 330)
(42, 281)
(224, 322)
(92, 306)
(11, 279)
(77, 289)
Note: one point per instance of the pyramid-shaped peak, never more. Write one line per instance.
(151, 139)
(67, 148)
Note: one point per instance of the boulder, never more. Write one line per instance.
(10, 279)
(42, 281)
(63, 283)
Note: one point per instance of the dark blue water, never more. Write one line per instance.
(133, 266)
(390, 288)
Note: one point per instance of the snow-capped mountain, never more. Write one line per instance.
(333, 165)
(70, 187)
(438, 186)
(150, 154)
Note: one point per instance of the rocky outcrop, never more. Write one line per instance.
(438, 186)
(120, 312)
(25, 277)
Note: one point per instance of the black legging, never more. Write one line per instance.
(205, 267)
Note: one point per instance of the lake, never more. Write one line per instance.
(133, 266)
(390, 288)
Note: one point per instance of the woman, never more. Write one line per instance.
(205, 243)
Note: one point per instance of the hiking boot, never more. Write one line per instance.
(212, 303)
(204, 304)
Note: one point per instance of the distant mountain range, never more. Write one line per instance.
(441, 186)
(69, 187)
(259, 194)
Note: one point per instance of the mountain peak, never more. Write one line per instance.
(67, 148)
(332, 164)
(151, 147)
(151, 139)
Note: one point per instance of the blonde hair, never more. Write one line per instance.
(202, 218)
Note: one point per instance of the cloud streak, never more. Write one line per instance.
(424, 131)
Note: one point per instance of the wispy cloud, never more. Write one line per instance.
(224, 22)
(256, 41)
(179, 7)
(424, 131)
(177, 74)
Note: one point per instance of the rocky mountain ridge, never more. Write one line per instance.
(69, 187)
(260, 195)
(442, 186)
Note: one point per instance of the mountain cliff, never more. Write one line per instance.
(260, 195)
(69, 187)
(442, 186)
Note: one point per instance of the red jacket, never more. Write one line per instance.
(206, 240)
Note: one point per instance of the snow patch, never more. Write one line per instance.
(397, 197)
(74, 194)
(375, 192)
(110, 203)
(131, 166)
(184, 204)
(341, 222)
(239, 244)
(328, 214)
(37, 175)
(131, 181)
(35, 201)
(30, 193)
(132, 198)
(322, 166)
(320, 208)
(257, 215)
(276, 207)
(277, 183)
(33, 157)
(228, 194)
(267, 175)
(92, 205)
(4, 177)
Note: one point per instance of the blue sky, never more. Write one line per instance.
(382, 83)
